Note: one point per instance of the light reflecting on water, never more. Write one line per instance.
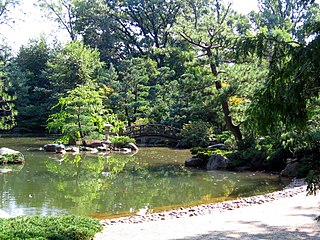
(106, 186)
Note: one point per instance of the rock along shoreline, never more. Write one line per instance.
(297, 186)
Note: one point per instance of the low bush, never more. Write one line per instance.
(206, 153)
(57, 228)
(195, 134)
(12, 158)
(122, 141)
(306, 149)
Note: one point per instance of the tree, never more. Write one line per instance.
(95, 26)
(289, 40)
(162, 86)
(5, 8)
(285, 14)
(177, 100)
(61, 11)
(144, 26)
(132, 89)
(122, 29)
(210, 27)
(293, 77)
(81, 114)
(73, 65)
(31, 85)
(7, 112)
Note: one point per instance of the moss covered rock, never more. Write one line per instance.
(10, 156)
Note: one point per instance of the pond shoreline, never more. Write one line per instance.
(295, 187)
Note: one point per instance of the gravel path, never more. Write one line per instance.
(287, 214)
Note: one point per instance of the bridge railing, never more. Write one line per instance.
(152, 130)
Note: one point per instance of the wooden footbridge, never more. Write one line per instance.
(152, 130)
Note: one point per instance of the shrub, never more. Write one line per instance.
(11, 158)
(122, 141)
(58, 228)
(195, 134)
(306, 148)
(261, 154)
(206, 153)
(226, 138)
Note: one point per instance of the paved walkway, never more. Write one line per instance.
(3, 214)
(283, 219)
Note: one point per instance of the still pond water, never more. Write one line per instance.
(154, 178)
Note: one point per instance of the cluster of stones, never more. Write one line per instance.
(205, 209)
(220, 162)
(92, 148)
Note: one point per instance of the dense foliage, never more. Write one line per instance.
(11, 158)
(195, 134)
(249, 81)
(122, 141)
(37, 227)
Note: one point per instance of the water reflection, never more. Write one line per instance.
(102, 186)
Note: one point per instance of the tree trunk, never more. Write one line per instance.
(80, 128)
(235, 130)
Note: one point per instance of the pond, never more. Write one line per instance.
(118, 185)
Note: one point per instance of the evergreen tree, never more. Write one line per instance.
(131, 91)
(80, 115)
(212, 28)
(31, 85)
(7, 111)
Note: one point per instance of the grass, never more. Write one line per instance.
(52, 228)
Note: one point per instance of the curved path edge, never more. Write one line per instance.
(288, 214)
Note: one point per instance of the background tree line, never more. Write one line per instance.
(197, 65)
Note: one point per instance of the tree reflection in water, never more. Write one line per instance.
(119, 184)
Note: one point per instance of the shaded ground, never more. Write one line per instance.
(286, 218)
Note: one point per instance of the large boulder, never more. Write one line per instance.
(55, 147)
(217, 162)
(8, 155)
(291, 169)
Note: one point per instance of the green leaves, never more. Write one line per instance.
(81, 114)
(37, 227)
(195, 134)
(7, 112)
(75, 64)
(5, 10)
(131, 91)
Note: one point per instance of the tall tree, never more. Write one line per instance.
(293, 78)
(95, 26)
(144, 26)
(31, 85)
(5, 8)
(211, 28)
(7, 111)
(131, 91)
(285, 14)
(73, 65)
(61, 11)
